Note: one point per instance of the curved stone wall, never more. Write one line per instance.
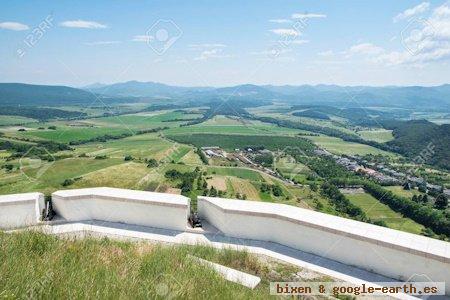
(20, 210)
(392, 253)
(124, 206)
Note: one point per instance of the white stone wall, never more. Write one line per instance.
(388, 252)
(20, 210)
(125, 206)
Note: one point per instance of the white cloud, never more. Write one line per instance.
(206, 46)
(82, 24)
(308, 16)
(364, 49)
(299, 42)
(327, 53)
(212, 53)
(285, 32)
(14, 26)
(102, 43)
(411, 12)
(271, 52)
(280, 21)
(143, 38)
(423, 41)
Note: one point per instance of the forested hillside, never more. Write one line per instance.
(415, 136)
(29, 94)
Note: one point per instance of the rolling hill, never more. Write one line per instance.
(422, 140)
(12, 94)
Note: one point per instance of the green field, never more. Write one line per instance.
(231, 142)
(376, 210)
(143, 145)
(377, 135)
(144, 121)
(54, 175)
(228, 125)
(339, 146)
(66, 134)
(399, 191)
(236, 172)
(15, 120)
(90, 128)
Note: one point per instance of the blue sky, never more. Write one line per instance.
(221, 43)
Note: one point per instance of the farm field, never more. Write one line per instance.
(339, 146)
(15, 120)
(236, 172)
(140, 146)
(66, 134)
(231, 142)
(54, 175)
(399, 191)
(227, 126)
(377, 135)
(378, 211)
(145, 120)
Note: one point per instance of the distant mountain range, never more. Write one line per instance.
(12, 94)
(434, 98)
(404, 97)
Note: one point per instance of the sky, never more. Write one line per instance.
(224, 43)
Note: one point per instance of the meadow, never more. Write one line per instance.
(228, 126)
(377, 135)
(339, 146)
(378, 211)
(77, 269)
(235, 141)
(15, 120)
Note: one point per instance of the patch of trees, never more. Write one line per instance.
(424, 141)
(107, 137)
(341, 203)
(151, 163)
(441, 201)
(70, 181)
(271, 189)
(187, 179)
(327, 131)
(326, 167)
(40, 113)
(202, 156)
(434, 219)
(264, 159)
(309, 113)
(8, 167)
(40, 149)
(103, 156)
(437, 220)
(420, 198)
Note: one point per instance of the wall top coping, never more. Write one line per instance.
(125, 194)
(25, 197)
(391, 238)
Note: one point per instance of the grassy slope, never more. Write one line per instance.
(63, 268)
(379, 211)
(14, 120)
(378, 135)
